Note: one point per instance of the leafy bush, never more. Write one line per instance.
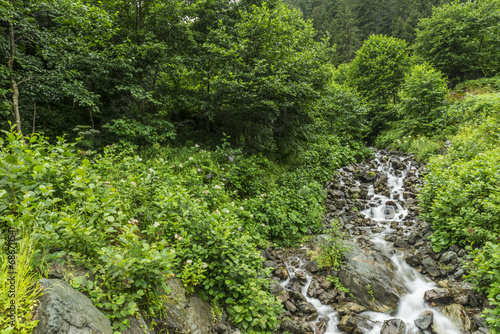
(377, 72)
(484, 266)
(462, 200)
(331, 252)
(461, 39)
(421, 105)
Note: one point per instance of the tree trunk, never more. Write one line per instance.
(13, 83)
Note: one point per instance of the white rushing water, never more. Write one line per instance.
(412, 304)
(385, 211)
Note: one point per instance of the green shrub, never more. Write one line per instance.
(484, 266)
(461, 38)
(421, 105)
(462, 201)
(377, 72)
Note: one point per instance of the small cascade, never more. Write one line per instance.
(385, 212)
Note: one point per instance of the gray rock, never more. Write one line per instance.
(439, 296)
(137, 325)
(64, 310)
(306, 307)
(313, 288)
(412, 238)
(312, 266)
(424, 320)
(370, 267)
(327, 297)
(448, 257)
(290, 306)
(393, 326)
(430, 267)
(347, 324)
(288, 326)
(456, 313)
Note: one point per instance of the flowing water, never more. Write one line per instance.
(384, 211)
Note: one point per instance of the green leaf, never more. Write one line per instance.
(11, 159)
(38, 168)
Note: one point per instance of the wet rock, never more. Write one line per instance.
(412, 238)
(290, 327)
(311, 317)
(430, 267)
(350, 307)
(270, 264)
(347, 324)
(137, 325)
(64, 310)
(439, 296)
(221, 328)
(456, 313)
(290, 306)
(370, 267)
(312, 266)
(448, 257)
(393, 326)
(325, 284)
(327, 297)
(401, 244)
(461, 298)
(300, 277)
(367, 176)
(284, 296)
(306, 328)
(424, 320)
(313, 288)
(412, 260)
(306, 307)
(297, 296)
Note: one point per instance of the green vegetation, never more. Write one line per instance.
(332, 250)
(461, 39)
(377, 72)
(209, 129)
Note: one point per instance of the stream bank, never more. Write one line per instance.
(397, 283)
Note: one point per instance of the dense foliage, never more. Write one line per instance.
(377, 72)
(461, 39)
(349, 23)
(422, 101)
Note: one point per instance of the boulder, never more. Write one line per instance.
(456, 313)
(424, 320)
(64, 310)
(393, 326)
(430, 267)
(439, 296)
(347, 324)
(186, 315)
(364, 268)
(306, 307)
(290, 327)
(449, 257)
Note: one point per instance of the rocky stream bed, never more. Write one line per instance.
(397, 283)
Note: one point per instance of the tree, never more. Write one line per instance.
(269, 74)
(48, 43)
(377, 72)
(461, 39)
(422, 99)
